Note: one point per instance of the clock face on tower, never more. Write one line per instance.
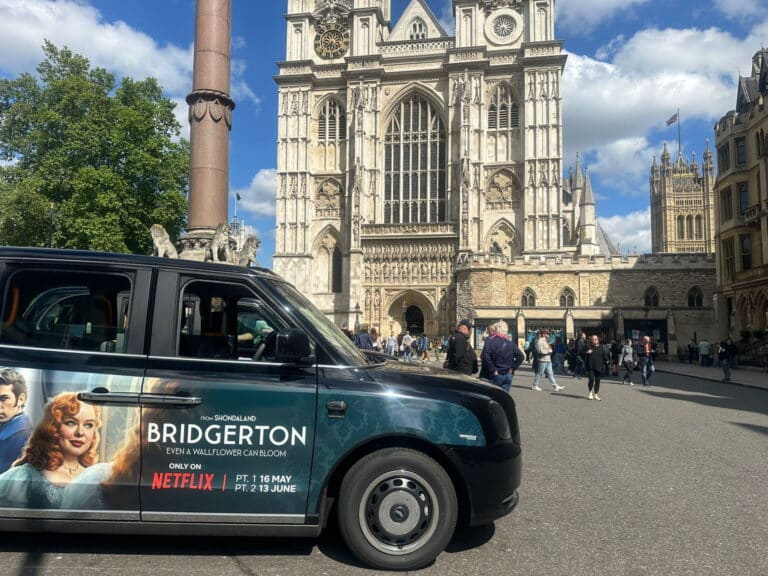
(331, 41)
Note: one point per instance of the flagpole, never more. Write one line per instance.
(679, 137)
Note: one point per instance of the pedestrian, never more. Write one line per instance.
(543, 355)
(693, 350)
(405, 347)
(615, 353)
(595, 367)
(424, 348)
(391, 344)
(725, 355)
(363, 339)
(500, 356)
(705, 352)
(606, 358)
(347, 331)
(529, 349)
(581, 355)
(558, 360)
(376, 339)
(461, 357)
(645, 361)
(627, 360)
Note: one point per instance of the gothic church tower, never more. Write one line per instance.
(402, 149)
(682, 204)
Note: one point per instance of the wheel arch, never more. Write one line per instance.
(335, 478)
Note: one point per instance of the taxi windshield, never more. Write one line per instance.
(292, 298)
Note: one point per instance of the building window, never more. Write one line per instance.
(726, 205)
(529, 299)
(741, 152)
(680, 228)
(723, 158)
(503, 111)
(699, 227)
(695, 297)
(651, 298)
(567, 298)
(414, 164)
(336, 264)
(689, 227)
(743, 188)
(729, 260)
(745, 241)
(332, 122)
(418, 30)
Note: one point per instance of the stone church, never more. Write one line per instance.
(421, 177)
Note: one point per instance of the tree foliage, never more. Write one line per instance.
(85, 163)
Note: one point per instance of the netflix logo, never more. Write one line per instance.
(185, 481)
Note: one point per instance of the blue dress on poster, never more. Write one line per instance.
(25, 487)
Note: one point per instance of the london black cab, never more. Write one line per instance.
(158, 396)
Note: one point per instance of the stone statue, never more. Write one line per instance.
(247, 253)
(163, 247)
(218, 250)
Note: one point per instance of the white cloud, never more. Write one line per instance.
(116, 46)
(612, 108)
(583, 15)
(631, 232)
(741, 9)
(259, 197)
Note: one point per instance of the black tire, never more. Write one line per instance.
(397, 509)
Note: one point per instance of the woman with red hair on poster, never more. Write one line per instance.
(63, 445)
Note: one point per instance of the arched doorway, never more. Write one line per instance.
(414, 320)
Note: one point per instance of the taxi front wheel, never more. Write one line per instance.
(397, 509)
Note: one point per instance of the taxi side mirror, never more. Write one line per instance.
(293, 347)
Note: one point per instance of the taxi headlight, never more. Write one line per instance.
(499, 420)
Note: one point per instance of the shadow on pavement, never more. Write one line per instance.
(468, 538)
(752, 427)
(706, 393)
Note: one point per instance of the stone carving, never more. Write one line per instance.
(503, 241)
(247, 253)
(491, 5)
(163, 247)
(328, 198)
(332, 11)
(218, 249)
(213, 105)
(503, 191)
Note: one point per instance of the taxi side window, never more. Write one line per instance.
(226, 321)
(66, 311)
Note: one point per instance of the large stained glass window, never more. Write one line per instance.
(414, 164)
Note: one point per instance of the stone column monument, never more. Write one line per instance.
(210, 119)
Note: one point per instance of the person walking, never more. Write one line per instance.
(391, 344)
(627, 360)
(581, 355)
(461, 357)
(558, 360)
(376, 339)
(363, 339)
(405, 346)
(424, 348)
(645, 361)
(705, 353)
(543, 355)
(500, 356)
(596, 357)
(725, 355)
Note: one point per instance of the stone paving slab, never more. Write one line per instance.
(749, 377)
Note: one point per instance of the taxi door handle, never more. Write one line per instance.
(104, 396)
(336, 408)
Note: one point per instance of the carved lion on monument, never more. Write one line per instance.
(163, 247)
(218, 249)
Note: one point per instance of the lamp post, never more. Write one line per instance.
(357, 317)
(404, 309)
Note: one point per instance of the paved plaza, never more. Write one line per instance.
(666, 480)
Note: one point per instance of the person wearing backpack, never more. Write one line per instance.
(500, 356)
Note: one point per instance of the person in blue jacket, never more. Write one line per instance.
(500, 356)
(15, 427)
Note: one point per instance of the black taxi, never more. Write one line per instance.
(159, 396)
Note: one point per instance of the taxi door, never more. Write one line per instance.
(228, 433)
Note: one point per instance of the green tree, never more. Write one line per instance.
(86, 163)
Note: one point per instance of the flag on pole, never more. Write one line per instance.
(672, 120)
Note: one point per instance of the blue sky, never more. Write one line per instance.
(631, 65)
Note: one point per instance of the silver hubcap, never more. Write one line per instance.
(398, 512)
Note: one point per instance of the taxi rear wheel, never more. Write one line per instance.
(397, 509)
